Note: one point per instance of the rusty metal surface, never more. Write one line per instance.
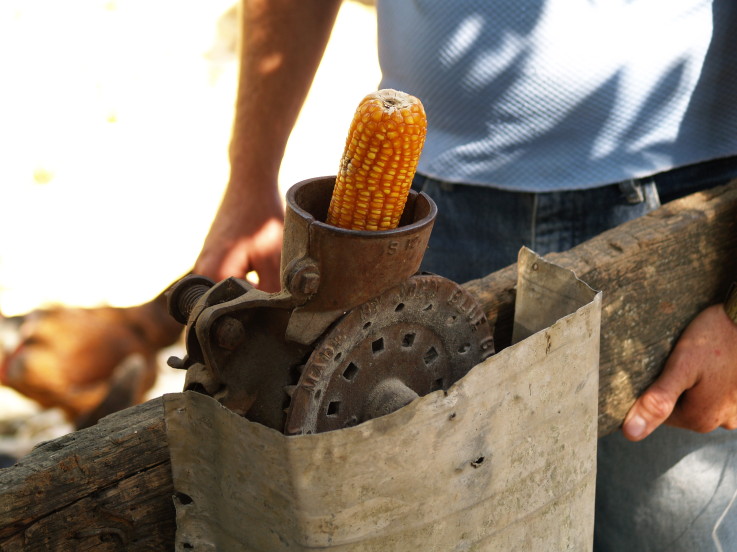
(421, 336)
(505, 460)
(404, 335)
(236, 349)
(331, 270)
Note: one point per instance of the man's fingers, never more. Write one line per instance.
(698, 387)
(269, 274)
(659, 400)
(650, 410)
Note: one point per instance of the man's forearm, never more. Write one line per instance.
(281, 47)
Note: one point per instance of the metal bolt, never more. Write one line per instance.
(183, 296)
(389, 395)
(309, 282)
(229, 333)
(304, 279)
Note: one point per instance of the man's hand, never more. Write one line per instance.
(282, 42)
(245, 236)
(698, 387)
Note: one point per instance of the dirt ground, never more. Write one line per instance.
(114, 123)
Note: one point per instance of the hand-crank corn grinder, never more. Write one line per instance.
(356, 331)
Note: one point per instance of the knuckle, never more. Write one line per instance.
(705, 426)
(700, 422)
(657, 405)
(730, 425)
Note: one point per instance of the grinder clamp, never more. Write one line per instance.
(355, 333)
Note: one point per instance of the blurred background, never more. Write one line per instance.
(115, 118)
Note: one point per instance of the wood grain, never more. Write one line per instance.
(108, 487)
(656, 273)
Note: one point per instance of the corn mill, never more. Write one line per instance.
(356, 331)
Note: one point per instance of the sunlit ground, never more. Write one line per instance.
(114, 123)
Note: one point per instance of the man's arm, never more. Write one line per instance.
(282, 43)
(698, 387)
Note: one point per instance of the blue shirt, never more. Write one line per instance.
(542, 95)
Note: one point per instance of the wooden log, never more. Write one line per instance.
(108, 487)
(656, 273)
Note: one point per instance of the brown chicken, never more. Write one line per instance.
(89, 362)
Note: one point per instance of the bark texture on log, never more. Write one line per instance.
(108, 487)
(656, 273)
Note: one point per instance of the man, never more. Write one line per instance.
(549, 122)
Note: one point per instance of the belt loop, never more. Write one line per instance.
(632, 190)
(652, 196)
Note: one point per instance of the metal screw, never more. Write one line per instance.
(183, 296)
(304, 279)
(229, 333)
(309, 282)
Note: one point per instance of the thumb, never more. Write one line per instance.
(656, 404)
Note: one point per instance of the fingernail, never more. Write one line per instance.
(635, 427)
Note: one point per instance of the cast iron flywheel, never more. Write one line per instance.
(420, 336)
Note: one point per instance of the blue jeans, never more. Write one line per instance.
(479, 230)
(674, 491)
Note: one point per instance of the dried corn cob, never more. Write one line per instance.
(380, 159)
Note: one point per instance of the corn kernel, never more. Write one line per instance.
(380, 159)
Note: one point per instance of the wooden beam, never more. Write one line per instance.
(656, 273)
(108, 487)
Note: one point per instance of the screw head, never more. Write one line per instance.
(229, 333)
(309, 282)
(304, 279)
